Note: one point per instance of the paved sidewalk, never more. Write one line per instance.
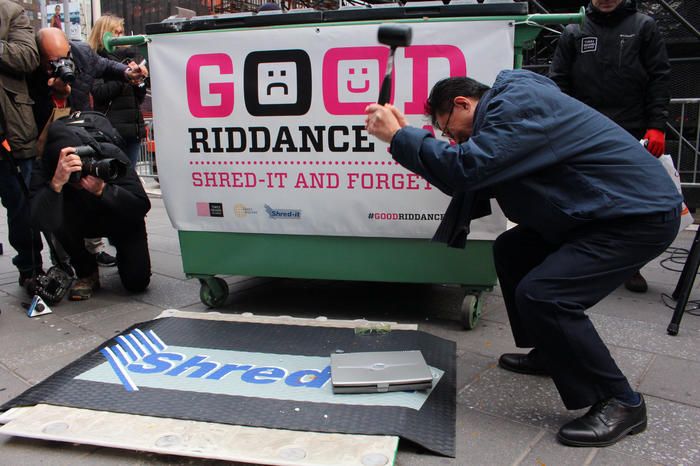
(502, 418)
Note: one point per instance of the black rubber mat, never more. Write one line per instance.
(432, 426)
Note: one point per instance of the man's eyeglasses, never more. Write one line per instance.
(445, 129)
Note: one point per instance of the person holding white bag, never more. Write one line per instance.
(616, 62)
(686, 217)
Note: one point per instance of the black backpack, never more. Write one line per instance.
(94, 130)
(90, 129)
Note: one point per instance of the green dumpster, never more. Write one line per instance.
(264, 164)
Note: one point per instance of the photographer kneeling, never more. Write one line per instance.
(73, 204)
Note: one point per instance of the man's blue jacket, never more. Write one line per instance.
(552, 163)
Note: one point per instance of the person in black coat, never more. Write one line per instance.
(616, 62)
(90, 208)
(119, 101)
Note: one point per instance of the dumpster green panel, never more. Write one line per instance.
(335, 257)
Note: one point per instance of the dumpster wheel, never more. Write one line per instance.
(213, 291)
(471, 309)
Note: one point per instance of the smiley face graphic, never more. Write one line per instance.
(363, 80)
(357, 80)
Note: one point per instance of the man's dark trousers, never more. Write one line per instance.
(548, 286)
(130, 241)
(22, 237)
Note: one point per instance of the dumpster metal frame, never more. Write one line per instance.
(206, 254)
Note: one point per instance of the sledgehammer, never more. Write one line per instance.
(393, 35)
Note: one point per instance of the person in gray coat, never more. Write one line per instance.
(18, 57)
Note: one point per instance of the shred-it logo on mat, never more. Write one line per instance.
(132, 347)
(140, 360)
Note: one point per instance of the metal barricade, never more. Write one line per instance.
(146, 164)
(683, 138)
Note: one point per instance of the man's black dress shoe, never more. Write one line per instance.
(522, 363)
(605, 423)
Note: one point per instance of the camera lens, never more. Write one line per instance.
(64, 68)
(66, 74)
(106, 169)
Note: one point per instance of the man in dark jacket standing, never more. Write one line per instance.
(617, 63)
(49, 91)
(18, 58)
(568, 177)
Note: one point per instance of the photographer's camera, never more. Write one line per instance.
(106, 169)
(63, 68)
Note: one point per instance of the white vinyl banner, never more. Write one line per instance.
(262, 130)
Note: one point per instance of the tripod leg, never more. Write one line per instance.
(684, 273)
(686, 269)
(685, 285)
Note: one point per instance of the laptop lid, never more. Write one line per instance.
(379, 371)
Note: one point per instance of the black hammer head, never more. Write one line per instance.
(394, 35)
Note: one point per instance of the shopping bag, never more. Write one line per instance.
(56, 113)
(667, 162)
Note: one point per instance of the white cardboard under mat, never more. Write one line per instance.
(201, 439)
(255, 445)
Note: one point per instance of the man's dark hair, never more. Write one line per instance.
(444, 92)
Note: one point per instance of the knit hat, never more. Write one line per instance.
(58, 138)
(269, 6)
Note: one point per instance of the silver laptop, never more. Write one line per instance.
(380, 371)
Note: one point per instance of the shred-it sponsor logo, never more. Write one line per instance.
(141, 360)
(282, 213)
(241, 211)
(210, 209)
(399, 216)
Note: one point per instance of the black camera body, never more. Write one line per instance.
(50, 286)
(63, 68)
(106, 169)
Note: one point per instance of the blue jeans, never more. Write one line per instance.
(133, 150)
(21, 234)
